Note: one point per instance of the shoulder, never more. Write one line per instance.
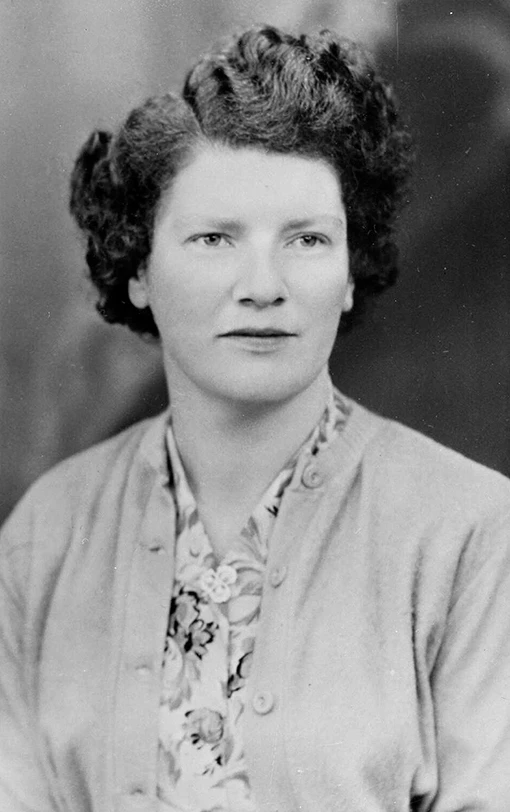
(88, 470)
(72, 487)
(447, 516)
(410, 468)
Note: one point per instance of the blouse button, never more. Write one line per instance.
(195, 547)
(277, 576)
(312, 477)
(263, 702)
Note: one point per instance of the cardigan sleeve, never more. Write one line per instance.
(471, 680)
(23, 786)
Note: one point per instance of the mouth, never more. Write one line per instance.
(253, 332)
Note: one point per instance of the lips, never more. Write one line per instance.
(256, 332)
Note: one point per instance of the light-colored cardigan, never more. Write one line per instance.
(381, 678)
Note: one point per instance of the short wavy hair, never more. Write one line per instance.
(316, 96)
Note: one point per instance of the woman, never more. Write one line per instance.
(267, 598)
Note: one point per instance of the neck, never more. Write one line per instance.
(232, 451)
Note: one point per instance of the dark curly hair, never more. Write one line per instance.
(313, 95)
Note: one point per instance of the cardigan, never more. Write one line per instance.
(381, 674)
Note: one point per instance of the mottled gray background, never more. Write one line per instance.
(435, 352)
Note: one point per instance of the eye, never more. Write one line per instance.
(212, 240)
(309, 240)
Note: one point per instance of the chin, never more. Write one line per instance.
(272, 389)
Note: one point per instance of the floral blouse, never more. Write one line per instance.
(210, 641)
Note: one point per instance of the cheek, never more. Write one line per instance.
(168, 287)
(326, 299)
(183, 303)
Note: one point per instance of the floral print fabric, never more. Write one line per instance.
(210, 642)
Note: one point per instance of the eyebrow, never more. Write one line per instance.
(233, 225)
(309, 222)
(210, 223)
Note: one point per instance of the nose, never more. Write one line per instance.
(260, 282)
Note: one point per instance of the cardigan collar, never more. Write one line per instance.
(346, 448)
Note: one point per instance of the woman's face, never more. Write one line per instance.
(248, 274)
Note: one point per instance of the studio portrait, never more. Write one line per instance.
(255, 332)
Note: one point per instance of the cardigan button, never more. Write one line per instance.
(277, 575)
(157, 546)
(263, 702)
(311, 476)
(137, 791)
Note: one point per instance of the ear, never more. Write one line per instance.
(138, 290)
(349, 296)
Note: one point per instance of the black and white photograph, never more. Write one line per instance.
(254, 406)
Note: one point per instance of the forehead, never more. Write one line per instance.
(229, 182)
